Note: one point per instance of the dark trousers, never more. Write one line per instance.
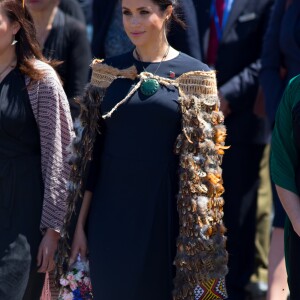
(241, 181)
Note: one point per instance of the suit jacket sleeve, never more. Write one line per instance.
(242, 87)
(270, 78)
(241, 90)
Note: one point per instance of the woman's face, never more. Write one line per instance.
(144, 21)
(7, 32)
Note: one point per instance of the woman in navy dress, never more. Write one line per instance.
(130, 196)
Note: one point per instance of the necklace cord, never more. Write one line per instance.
(163, 58)
(144, 75)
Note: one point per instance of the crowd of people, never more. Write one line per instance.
(170, 162)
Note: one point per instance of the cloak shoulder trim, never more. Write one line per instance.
(103, 75)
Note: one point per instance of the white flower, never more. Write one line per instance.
(86, 280)
(73, 285)
(63, 281)
(70, 277)
(68, 296)
(78, 276)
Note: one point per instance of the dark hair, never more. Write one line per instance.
(27, 48)
(163, 4)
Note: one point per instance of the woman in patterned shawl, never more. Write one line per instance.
(35, 129)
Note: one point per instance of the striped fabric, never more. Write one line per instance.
(52, 113)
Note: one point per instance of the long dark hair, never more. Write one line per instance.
(163, 4)
(27, 48)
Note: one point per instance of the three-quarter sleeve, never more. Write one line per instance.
(52, 113)
(284, 156)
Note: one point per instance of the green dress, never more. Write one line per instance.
(285, 171)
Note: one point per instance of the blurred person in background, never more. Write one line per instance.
(86, 6)
(63, 38)
(73, 8)
(231, 37)
(35, 130)
(81, 10)
(110, 39)
(280, 63)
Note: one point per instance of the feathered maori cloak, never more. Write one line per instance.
(201, 260)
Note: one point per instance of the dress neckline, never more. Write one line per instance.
(158, 62)
(7, 75)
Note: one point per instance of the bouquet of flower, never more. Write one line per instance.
(76, 284)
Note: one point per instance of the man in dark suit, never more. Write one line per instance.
(231, 34)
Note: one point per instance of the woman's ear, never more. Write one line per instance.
(15, 27)
(168, 12)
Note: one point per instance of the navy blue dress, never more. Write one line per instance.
(133, 221)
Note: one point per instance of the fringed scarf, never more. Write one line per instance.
(201, 260)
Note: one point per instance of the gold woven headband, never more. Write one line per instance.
(23, 3)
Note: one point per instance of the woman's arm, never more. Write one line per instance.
(79, 244)
(84, 209)
(52, 114)
(291, 204)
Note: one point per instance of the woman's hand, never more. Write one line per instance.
(296, 226)
(79, 244)
(47, 249)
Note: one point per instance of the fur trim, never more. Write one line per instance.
(86, 128)
(201, 254)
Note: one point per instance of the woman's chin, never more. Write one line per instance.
(138, 41)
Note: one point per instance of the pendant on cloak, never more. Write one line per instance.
(149, 86)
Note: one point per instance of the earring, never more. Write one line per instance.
(14, 41)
